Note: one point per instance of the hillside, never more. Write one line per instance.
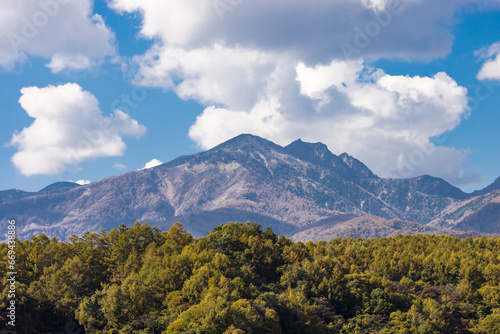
(368, 227)
(12, 195)
(478, 213)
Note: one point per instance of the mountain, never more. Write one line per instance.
(318, 153)
(14, 195)
(55, 188)
(486, 219)
(494, 186)
(371, 227)
(58, 187)
(479, 213)
(246, 178)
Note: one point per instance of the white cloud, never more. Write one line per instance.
(216, 125)
(65, 31)
(376, 5)
(209, 75)
(284, 72)
(68, 128)
(313, 30)
(82, 182)
(119, 166)
(152, 163)
(386, 121)
(60, 62)
(491, 68)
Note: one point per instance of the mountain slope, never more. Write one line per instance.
(14, 195)
(58, 187)
(245, 178)
(478, 213)
(486, 219)
(492, 187)
(372, 227)
(318, 154)
(55, 188)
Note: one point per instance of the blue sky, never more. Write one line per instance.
(90, 90)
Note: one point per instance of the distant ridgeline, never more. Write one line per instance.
(241, 278)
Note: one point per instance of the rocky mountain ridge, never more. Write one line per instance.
(245, 178)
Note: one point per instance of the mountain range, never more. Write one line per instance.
(301, 190)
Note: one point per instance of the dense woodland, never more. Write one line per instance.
(241, 278)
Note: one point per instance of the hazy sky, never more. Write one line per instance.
(94, 89)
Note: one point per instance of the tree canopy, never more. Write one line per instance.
(242, 278)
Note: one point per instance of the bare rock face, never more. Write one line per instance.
(246, 178)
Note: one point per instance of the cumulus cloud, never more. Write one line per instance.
(152, 163)
(388, 122)
(300, 70)
(66, 32)
(61, 62)
(209, 75)
(313, 30)
(68, 128)
(82, 182)
(491, 68)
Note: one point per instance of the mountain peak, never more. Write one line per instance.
(436, 186)
(244, 141)
(318, 153)
(357, 166)
(59, 187)
(319, 149)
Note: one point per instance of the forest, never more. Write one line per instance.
(242, 278)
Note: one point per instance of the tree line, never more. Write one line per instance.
(241, 278)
